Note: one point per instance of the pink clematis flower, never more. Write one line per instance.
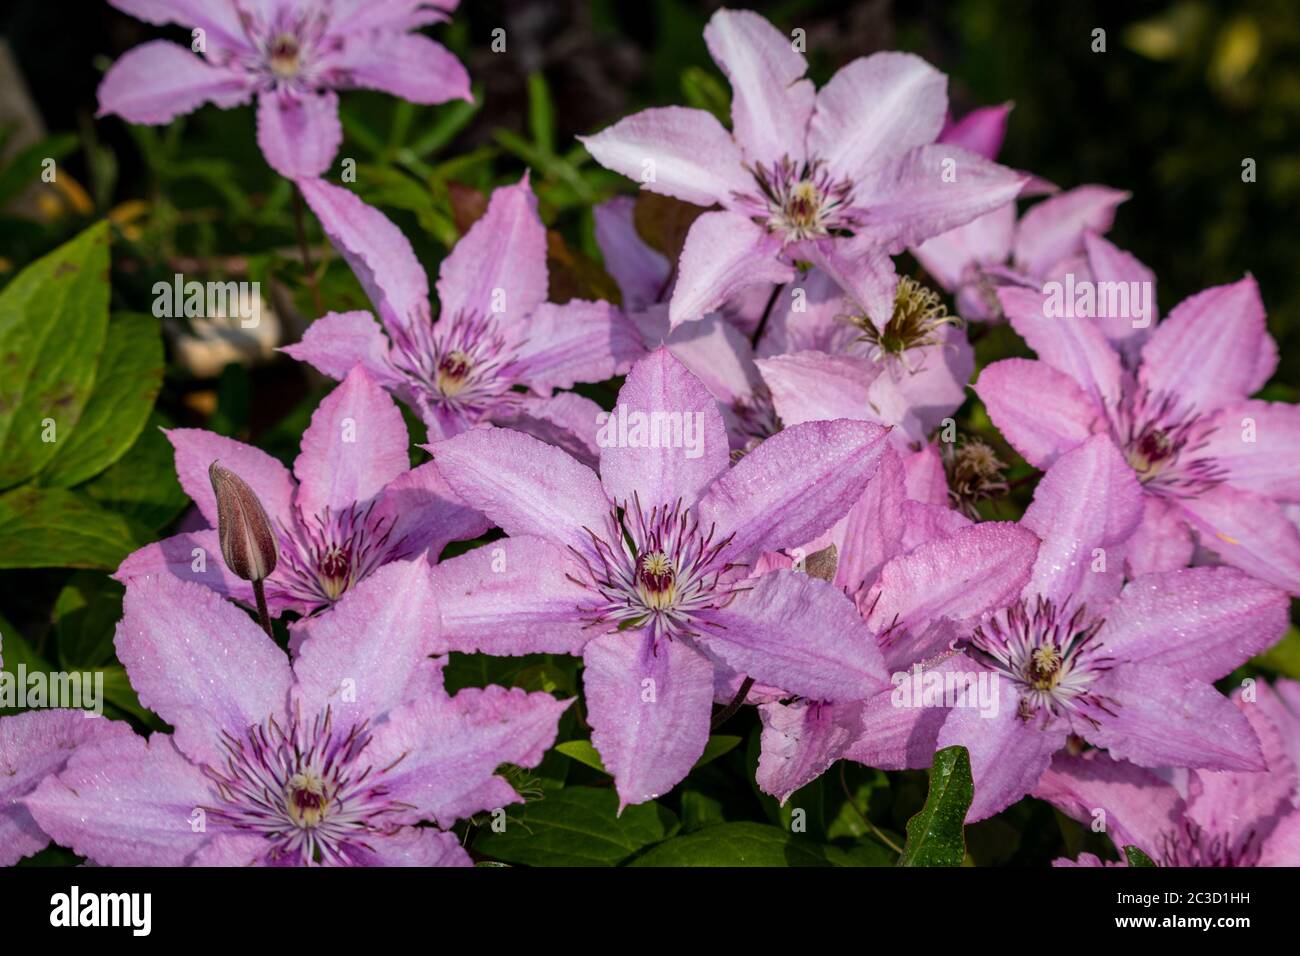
(716, 349)
(1128, 667)
(333, 761)
(498, 350)
(356, 504)
(1174, 400)
(973, 260)
(33, 745)
(920, 574)
(292, 55)
(1195, 817)
(822, 358)
(642, 569)
(843, 177)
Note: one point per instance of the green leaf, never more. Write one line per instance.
(936, 836)
(576, 826)
(53, 319)
(57, 528)
(1284, 656)
(541, 113)
(142, 486)
(704, 91)
(27, 166)
(583, 751)
(85, 616)
(736, 844)
(127, 381)
(15, 651)
(1137, 858)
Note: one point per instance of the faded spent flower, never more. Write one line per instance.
(336, 760)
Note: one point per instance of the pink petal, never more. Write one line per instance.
(665, 465)
(1212, 349)
(872, 531)
(807, 316)
(929, 190)
(576, 342)
(356, 443)
(679, 152)
(1089, 500)
(200, 663)
(640, 271)
(1162, 542)
(1108, 263)
(126, 802)
(793, 486)
(299, 134)
(724, 254)
(860, 265)
(221, 21)
(35, 744)
(1249, 532)
(830, 656)
(511, 597)
(1201, 622)
(424, 514)
(566, 420)
(1052, 230)
(410, 66)
(1074, 345)
(197, 449)
(444, 752)
(800, 742)
(981, 242)
(875, 108)
(158, 81)
(1007, 756)
(337, 341)
(981, 130)
(719, 355)
(1163, 719)
(1258, 445)
(1140, 808)
(377, 252)
(416, 846)
(925, 386)
(1043, 412)
(499, 266)
(648, 705)
(771, 101)
(974, 571)
(523, 485)
(814, 386)
(176, 556)
(368, 655)
(894, 737)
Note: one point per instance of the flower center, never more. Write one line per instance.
(657, 570)
(800, 201)
(453, 372)
(1053, 659)
(283, 56)
(917, 321)
(656, 579)
(975, 474)
(334, 569)
(306, 799)
(304, 788)
(1161, 440)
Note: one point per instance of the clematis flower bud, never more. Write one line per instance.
(248, 541)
